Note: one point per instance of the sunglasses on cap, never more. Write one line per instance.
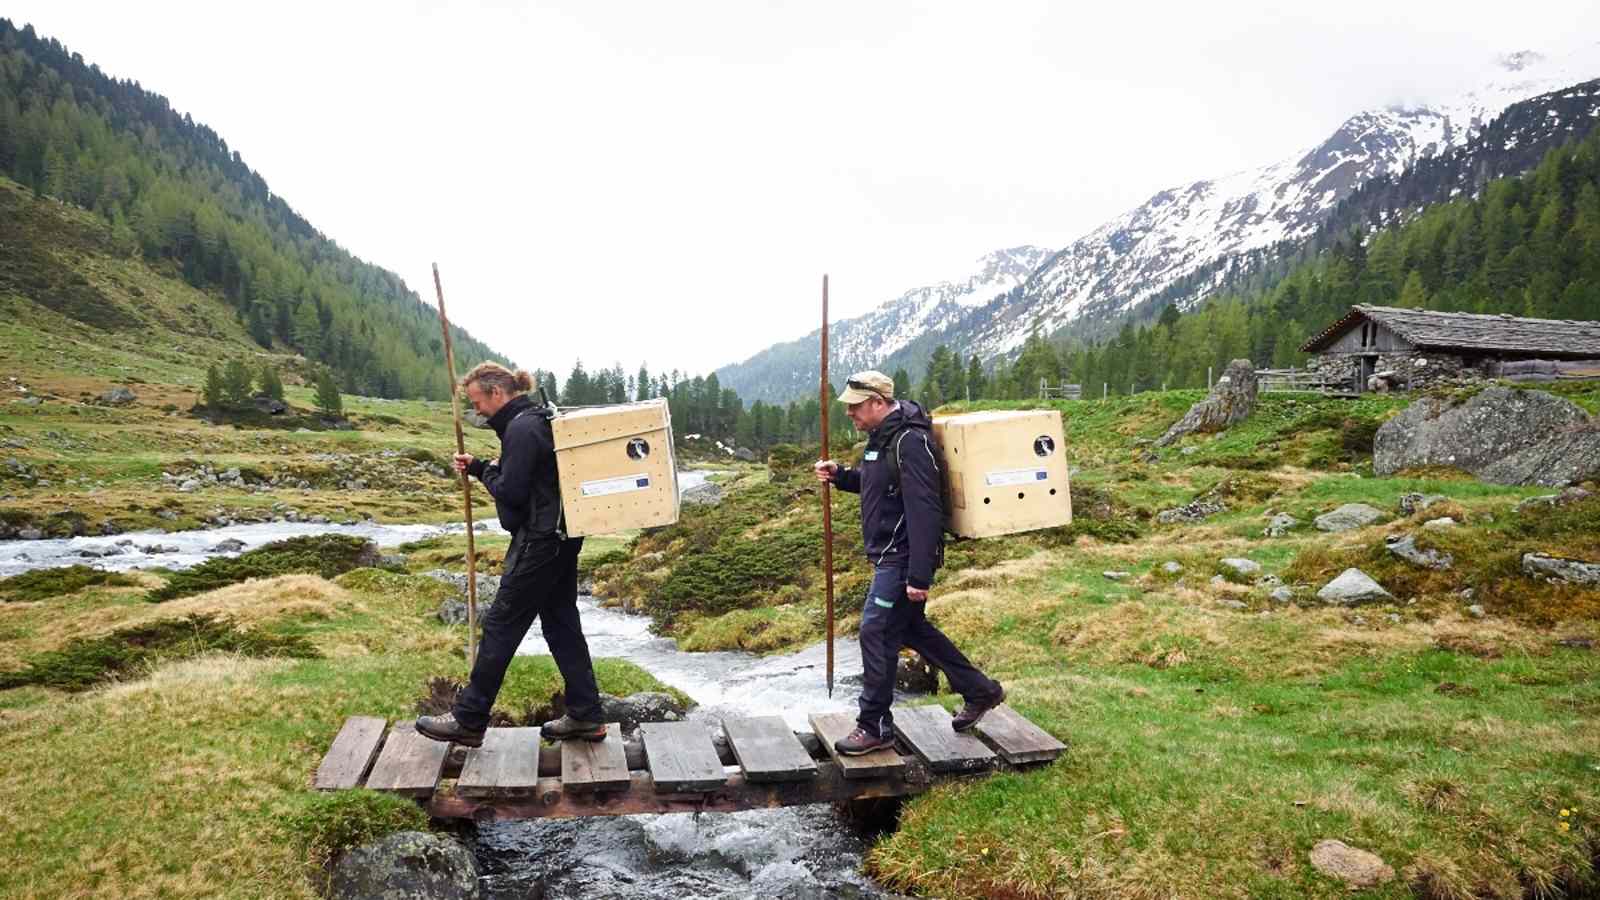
(863, 386)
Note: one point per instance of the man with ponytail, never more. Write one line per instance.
(540, 576)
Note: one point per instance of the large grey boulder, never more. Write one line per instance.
(1502, 435)
(409, 865)
(1351, 587)
(1358, 869)
(1232, 400)
(1241, 567)
(645, 706)
(1281, 524)
(1405, 547)
(705, 494)
(118, 396)
(1348, 517)
(1554, 568)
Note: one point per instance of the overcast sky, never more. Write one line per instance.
(668, 181)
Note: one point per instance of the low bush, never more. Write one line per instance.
(86, 662)
(328, 555)
(42, 584)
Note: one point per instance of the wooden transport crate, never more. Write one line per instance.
(1005, 471)
(617, 467)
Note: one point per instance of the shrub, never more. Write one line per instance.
(328, 555)
(43, 584)
(86, 662)
(331, 823)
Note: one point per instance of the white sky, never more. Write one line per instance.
(667, 181)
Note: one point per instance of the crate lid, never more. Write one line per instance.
(995, 415)
(593, 424)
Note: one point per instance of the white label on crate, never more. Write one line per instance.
(1016, 476)
(614, 485)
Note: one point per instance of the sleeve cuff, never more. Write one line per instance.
(476, 467)
(919, 584)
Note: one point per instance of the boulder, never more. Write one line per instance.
(1172, 567)
(228, 545)
(645, 706)
(1405, 547)
(1502, 435)
(744, 454)
(1353, 586)
(1358, 869)
(1281, 594)
(1115, 575)
(118, 396)
(1552, 568)
(1439, 523)
(1244, 568)
(1568, 496)
(706, 494)
(268, 405)
(1348, 517)
(915, 675)
(409, 865)
(1231, 401)
(30, 533)
(1410, 504)
(1281, 524)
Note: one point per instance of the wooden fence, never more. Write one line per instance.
(1279, 380)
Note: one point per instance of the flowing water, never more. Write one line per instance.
(793, 853)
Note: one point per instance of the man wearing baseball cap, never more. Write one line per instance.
(902, 527)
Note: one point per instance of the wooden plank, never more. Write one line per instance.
(926, 730)
(351, 754)
(681, 756)
(644, 796)
(507, 765)
(767, 749)
(409, 764)
(595, 765)
(1017, 740)
(831, 727)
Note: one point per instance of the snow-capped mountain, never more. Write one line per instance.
(786, 371)
(1107, 273)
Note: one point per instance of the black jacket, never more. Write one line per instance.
(523, 481)
(900, 530)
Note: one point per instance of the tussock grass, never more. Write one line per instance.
(42, 584)
(328, 555)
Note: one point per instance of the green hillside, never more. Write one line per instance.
(168, 192)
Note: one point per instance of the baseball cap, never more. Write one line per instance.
(866, 385)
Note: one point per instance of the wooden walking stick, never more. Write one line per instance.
(466, 484)
(827, 497)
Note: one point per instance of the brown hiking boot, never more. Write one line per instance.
(861, 742)
(567, 728)
(971, 712)
(446, 728)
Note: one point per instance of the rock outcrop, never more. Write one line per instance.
(1554, 568)
(1348, 517)
(1502, 435)
(1351, 587)
(410, 865)
(1232, 400)
(1358, 869)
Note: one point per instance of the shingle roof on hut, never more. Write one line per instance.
(1447, 331)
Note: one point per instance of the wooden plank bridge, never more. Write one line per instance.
(673, 766)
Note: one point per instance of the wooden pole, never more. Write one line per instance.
(827, 495)
(466, 483)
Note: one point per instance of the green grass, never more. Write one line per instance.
(42, 584)
(328, 555)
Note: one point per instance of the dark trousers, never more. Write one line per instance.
(890, 621)
(540, 582)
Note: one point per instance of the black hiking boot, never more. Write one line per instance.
(861, 742)
(568, 728)
(971, 712)
(446, 728)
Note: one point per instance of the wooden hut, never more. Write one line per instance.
(1387, 348)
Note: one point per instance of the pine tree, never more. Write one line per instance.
(212, 391)
(235, 383)
(271, 384)
(327, 394)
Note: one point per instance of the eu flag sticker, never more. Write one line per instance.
(645, 482)
(1040, 475)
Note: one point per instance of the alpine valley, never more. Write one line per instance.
(1189, 242)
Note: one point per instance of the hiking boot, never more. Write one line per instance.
(972, 712)
(861, 741)
(446, 728)
(567, 728)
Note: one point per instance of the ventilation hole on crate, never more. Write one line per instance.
(1052, 492)
(986, 500)
(1019, 495)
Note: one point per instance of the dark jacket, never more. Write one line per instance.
(900, 529)
(523, 481)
